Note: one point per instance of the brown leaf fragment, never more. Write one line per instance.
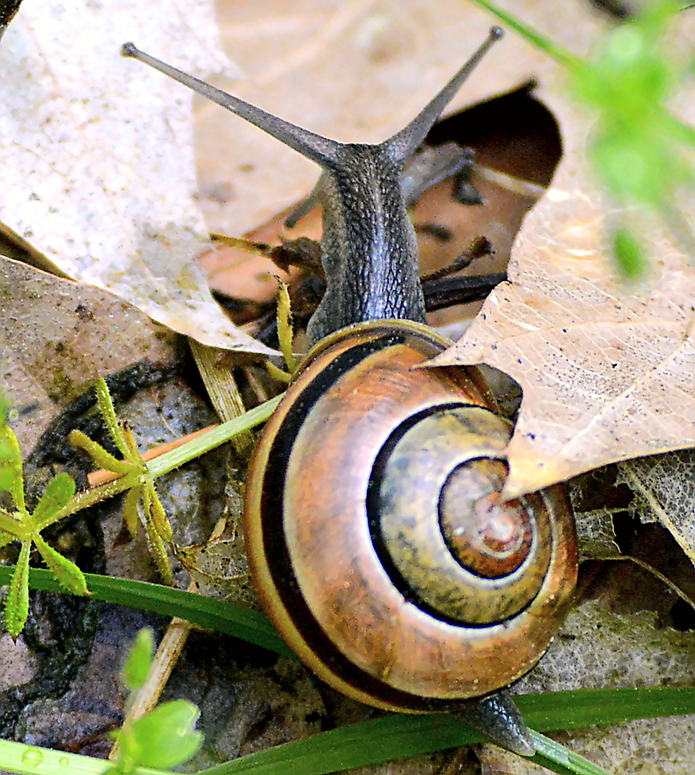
(666, 486)
(607, 369)
(56, 335)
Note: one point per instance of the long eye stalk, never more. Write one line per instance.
(317, 148)
(403, 144)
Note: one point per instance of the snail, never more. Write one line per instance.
(376, 535)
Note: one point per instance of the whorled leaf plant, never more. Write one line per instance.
(142, 498)
(133, 475)
(24, 526)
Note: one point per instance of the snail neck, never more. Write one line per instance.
(369, 247)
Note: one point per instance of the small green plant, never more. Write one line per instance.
(162, 738)
(641, 151)
(133, 476)
(25, 527)
(285, 336)
(142, 497)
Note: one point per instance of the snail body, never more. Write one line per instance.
(375, 531)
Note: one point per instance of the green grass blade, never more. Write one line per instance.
(398, 737)
(556, 758)
(373, 742)
(228, 618)
(538, 40)
(586, 707)
(31, 760)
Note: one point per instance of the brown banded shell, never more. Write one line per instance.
(376, 536)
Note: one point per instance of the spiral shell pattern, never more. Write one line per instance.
(376, 534)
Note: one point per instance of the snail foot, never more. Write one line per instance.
(498, 717)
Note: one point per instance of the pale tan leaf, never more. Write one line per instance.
(96, 153)
(608, 371)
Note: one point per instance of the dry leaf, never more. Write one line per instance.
(596, 649)
(608, 371)
(96, 152)
(666, 486)
(57, 335)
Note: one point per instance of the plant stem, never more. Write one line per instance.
(213, 439)
(168, 461)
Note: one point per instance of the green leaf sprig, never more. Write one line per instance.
(59, 499)
(142, 503)
(640, 150)
(162, 738)
(25, 527)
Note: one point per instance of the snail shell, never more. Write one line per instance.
(376, 536)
